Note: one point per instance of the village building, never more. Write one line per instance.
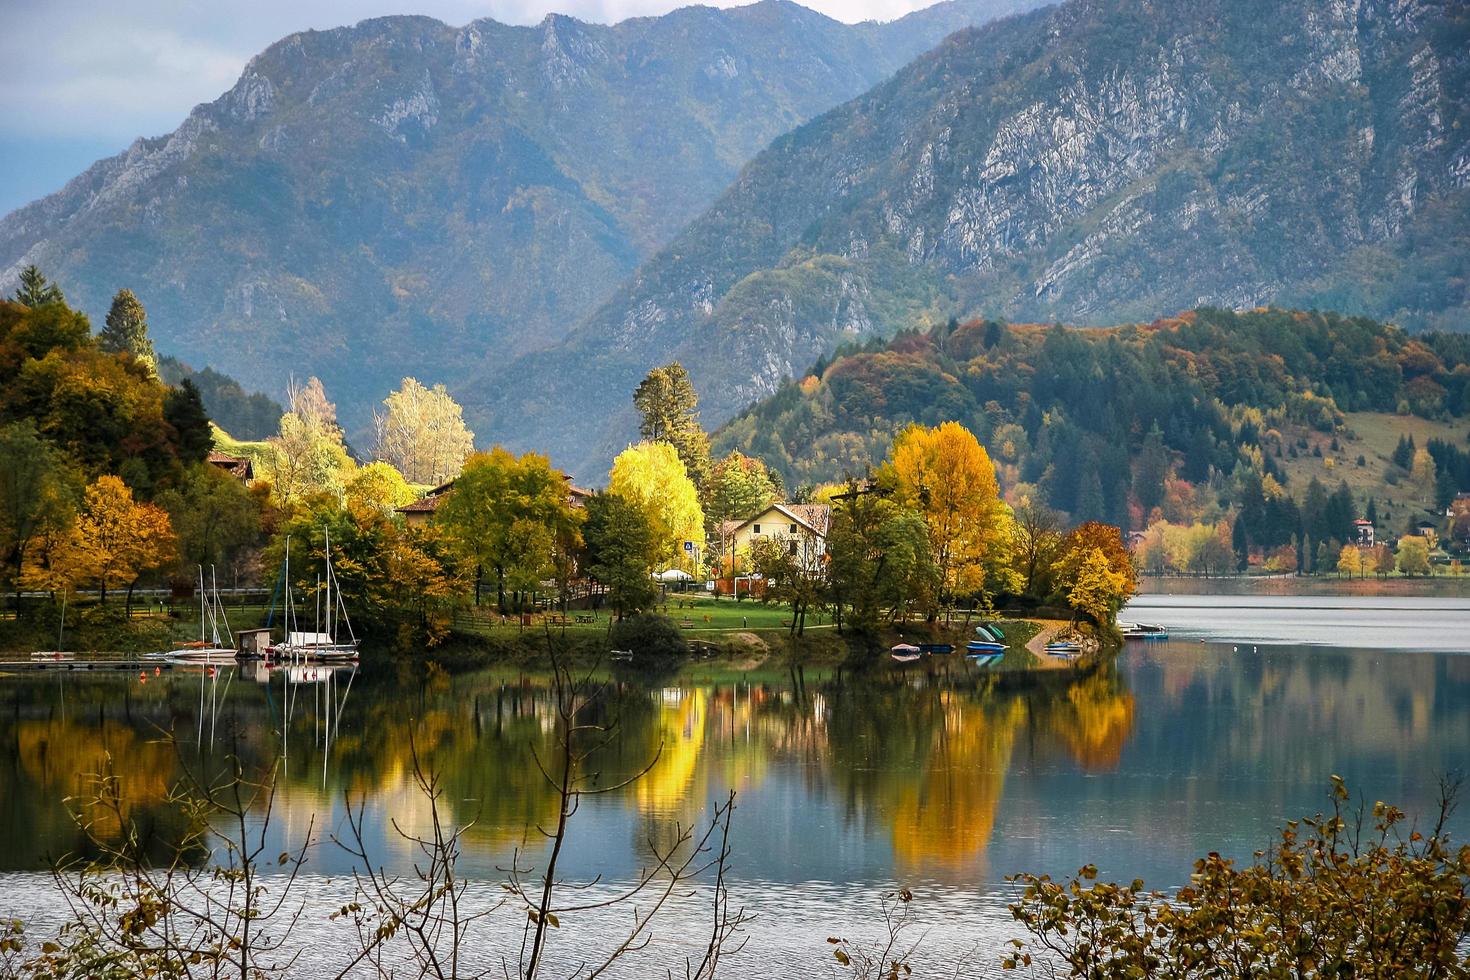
(422, 511)
(1363, 533)
(802, 528)
(240, 467)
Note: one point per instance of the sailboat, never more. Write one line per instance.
(58, 653)
(320, 644)
(209, 650)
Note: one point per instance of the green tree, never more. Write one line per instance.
(738, 488)
(214, 516)
(620, 551)
(1151, 470)
(879, 561)
(35, 290)
(37, 492)
(505, 515)
(183, 408)
(790, 577)
(126, 331)
(668, 406)
(1412, 555)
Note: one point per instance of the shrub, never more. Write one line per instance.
(654, 639)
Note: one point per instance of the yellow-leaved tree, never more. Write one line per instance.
(651, 476)
(1097, 589)
(114, 541)
(946, 475)
(421, 431)
(308, 456)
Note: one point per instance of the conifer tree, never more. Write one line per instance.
(127, 330)
(183, 408)
(668, 404)
(36, 290)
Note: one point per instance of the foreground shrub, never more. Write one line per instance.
(1338, 896)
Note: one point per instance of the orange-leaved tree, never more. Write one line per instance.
(117, 539)
(1094, 571)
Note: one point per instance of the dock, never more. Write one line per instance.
(16, 666)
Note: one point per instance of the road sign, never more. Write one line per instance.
(688, 545)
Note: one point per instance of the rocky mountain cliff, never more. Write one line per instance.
(403, 196)
(1095, 162)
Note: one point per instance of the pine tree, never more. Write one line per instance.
(1240, 544)
(127, 330)
(183, 408)
(36, 290)
(1403, 453)
(1372, 512)
(668, 404)
(1151, 470)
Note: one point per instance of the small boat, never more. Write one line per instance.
(52, 655)
(210, 650)
(1064, 650)
(992, 629)
(319, 644)
(1143, 631)
(984, 646)
(621, 656)
(906, 653)
(936, 649)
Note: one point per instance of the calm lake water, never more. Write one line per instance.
(1207, 741)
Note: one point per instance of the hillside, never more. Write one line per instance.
(405, 197)
(1071, 413)
(1094, 162)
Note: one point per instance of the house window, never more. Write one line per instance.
(792, 546)
(793, 529)
(756, 529)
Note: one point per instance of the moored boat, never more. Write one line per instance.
(1143, 631)
(906, 653)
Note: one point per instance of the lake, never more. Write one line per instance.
(941, 782)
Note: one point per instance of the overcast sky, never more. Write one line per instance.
(81, 79)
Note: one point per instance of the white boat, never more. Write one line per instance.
(319, 644)
(906, 653)
(1143, 631)
(210, 650)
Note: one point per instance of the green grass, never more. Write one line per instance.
(1372, 435)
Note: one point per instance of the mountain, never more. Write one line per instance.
(407, 197)
(1071, 412)
(1093, 162)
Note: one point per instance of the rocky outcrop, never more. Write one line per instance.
(1094, 162)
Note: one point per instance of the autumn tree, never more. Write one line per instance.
(947, 476)
(506, 514)
(668, 406)
(380, 486)
(1094, 571)
(1412, 556)
(652, 475)
(117, 539)
(36, 290)
(1424, 476)
(308, 455)
(621, 549)
(739, 487)
(1353, 560)
(126, 331)
(421, 431)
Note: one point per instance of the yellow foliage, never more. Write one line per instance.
(652, 476)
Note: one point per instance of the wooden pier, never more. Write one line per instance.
(15, 666)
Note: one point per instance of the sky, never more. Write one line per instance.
(81, 80)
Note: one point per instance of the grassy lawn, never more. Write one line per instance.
(1372, 435)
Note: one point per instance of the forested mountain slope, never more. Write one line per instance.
(1095, 162)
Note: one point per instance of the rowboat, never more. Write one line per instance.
(906, 653)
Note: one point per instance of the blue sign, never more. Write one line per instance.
(688, 545)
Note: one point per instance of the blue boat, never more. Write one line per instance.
(985, 646)
(936, 648)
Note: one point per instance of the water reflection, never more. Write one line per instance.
(1180, 748)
